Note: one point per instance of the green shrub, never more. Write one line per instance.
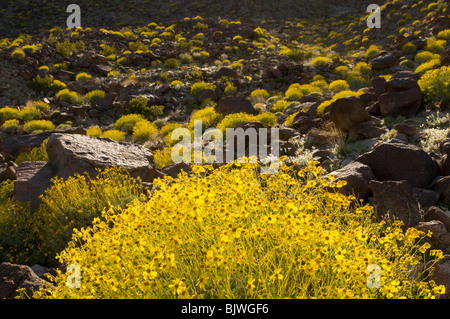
(127, 122)
(95, 95)
(435, 46)
(69, 96)
(279, 106)
(201, 56)
(201, 86)
(425, 56)
(82, 77)
(409, 48)
(372, 51)
(428, 65)
(434, 85)
(444, 34)
(115, 135)
(30, 113)
(320, 61)
(38, 83)
(36, 154)
(38, 125)
(9, 113)
(259, 95)
(18, 54)
(235, 119)
(10, 127)
(94, 131)
(407, 63)
(144, 131)
(208, 116)
(171, 63)
(338, 85)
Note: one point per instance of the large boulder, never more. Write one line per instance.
(14, 277)
(396, 161)
(383, 61)
(33, 178)
(395, 200)
(357, 176)
(235, 104)
(348, 112)
(397, 103)
(440, 237)
(77, 154)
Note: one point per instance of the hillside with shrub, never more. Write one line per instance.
(89, 122)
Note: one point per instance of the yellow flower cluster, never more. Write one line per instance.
(235, 233)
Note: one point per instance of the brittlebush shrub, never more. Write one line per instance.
(233, 233)
(435, 85)
(38, 125)
(235, 119)
(144, 131)
(74, 203)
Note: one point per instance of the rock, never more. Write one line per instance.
(401, 84)
(383, 61)
(442, 186)
(316, 137)
(368, 129)
(387, 161)
(357, 176)
(14, 277)
(100, 69)
(395, 200)
(378, 84)
(105, 103)
(33, 178)
(440, 237)
(16, 145)
(232, 104)
(303, 124)
(404, 103)
(440, 273)
(435, 213)
(174, 169)
(285, 133)
(8, 173)
(348, 112)
(227, 72)
(71, 154)
(207, 94)
(425, 197)
(405, 129)
(39, 270)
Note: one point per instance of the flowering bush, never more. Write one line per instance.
(38, 125)
(435, 85)
(232, 233)
(143, 131)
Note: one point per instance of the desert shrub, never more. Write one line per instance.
(407, 63)
(230, 89)
(286, 237)
(9, 113)
(259, 95)
(138, 105)
(94, 131)
(83, 76)
(57, 85)
(372, 51)
(69, 96)
(30, 113)
(10, 127)
(364, 69)
(40, 83)
(67, 47)
(115, 135)
(163, 157)
(38, 125)
(95, 95)
(201, 56)
(197, 87)
(235, 119)
(425, 56)
(434, 85)
(171, 63)
(36, 154)
(428, 65)
(409, 48)
(342, 71)
(127, 122)
(279, 106)
(338, 85)
(74, 203)
(185, 58)
(435, 45)
(61, 66)
(41, 105)
(144, 131)
(167, 130)
(208, 116)
(444, 34)
(18, 54)
(320, 61)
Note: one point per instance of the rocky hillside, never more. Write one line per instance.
(370, 105)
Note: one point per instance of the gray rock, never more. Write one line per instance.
(14, 277)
